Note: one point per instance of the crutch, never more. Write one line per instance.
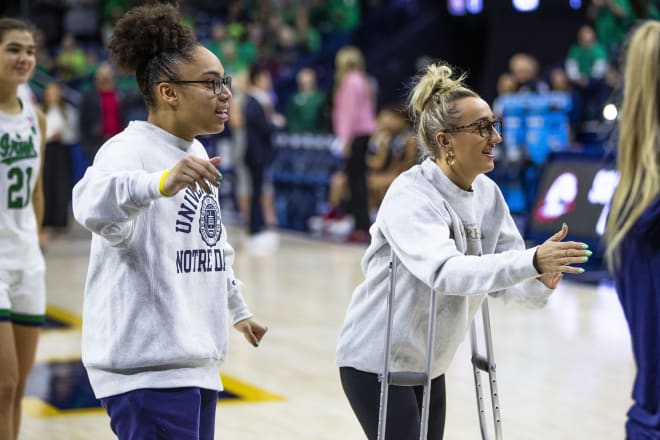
(405, 378)
(486, 364)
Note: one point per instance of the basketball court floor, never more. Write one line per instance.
(564, 372)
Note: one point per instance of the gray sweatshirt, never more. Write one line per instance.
(463, 244)
(160, 284)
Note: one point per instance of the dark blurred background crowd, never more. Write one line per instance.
(325, 80)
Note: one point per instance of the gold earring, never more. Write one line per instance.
(450, 158)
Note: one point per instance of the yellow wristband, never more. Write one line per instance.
(161, 184)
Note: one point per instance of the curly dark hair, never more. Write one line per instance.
(151, 41)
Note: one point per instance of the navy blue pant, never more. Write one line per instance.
(163, 414)
(404, 409)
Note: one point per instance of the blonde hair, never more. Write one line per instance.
(348, 59)
(432, 103)
(639, 139)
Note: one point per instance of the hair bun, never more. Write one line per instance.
(147, 31)
(437, 80)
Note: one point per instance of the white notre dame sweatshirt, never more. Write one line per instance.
(160, 289)
(463, 244)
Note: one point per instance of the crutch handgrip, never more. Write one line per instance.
(482, 363)
(407, 378)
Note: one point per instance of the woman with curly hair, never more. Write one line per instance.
(160, 291)
(22, 268)
(450, 228)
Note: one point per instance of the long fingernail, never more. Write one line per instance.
(255, 344)
(563, 225)
(585, 258)
(589, 253)
(580, 270)
(585, 246)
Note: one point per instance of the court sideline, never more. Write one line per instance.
(565, 372)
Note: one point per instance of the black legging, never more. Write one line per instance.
(404, 407)
(57, 184)
(356, 172)
(257, 222)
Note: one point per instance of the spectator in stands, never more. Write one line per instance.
(611, 19)
(239, 89)
(251, 43)
(559, 82)
(218, 38)
(45, 61)
(101, 112)
(111, 11)
(506, 85)
(586, 60)
(70, 61)
(392, 149)
(307, 35)
(354, 101)
(288, 49)
(343, 15)
(61, 134)
(261, 122)
(353, 121)
(525, 71)
(633, 225)
(645, 9)
(586, 65)
(303, 111)
(231, 58)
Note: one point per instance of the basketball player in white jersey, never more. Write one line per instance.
(22, 284)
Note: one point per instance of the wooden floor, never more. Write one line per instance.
(564, 372)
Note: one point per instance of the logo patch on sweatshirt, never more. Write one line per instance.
(209, 221)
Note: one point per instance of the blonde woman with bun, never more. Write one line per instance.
(449, 226)
(633, 226)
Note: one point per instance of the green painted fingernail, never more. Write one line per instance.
(219, 176)
(589, 253)
(255, 344)
(563, 225)
(585, 246)
(581, 270)
(585, 258)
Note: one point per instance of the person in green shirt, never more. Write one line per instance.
(587, 59)
(586, 66)
(71, 62)
(303, 111)
(611, 19)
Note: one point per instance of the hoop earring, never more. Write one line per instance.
(450, 158)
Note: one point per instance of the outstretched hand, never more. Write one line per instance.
(192, 172)
(555, 256)
(252, 330)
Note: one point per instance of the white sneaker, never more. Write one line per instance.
(340, 228)
(262, 244)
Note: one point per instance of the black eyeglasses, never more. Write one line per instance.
(485, 127)
(217, 84)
